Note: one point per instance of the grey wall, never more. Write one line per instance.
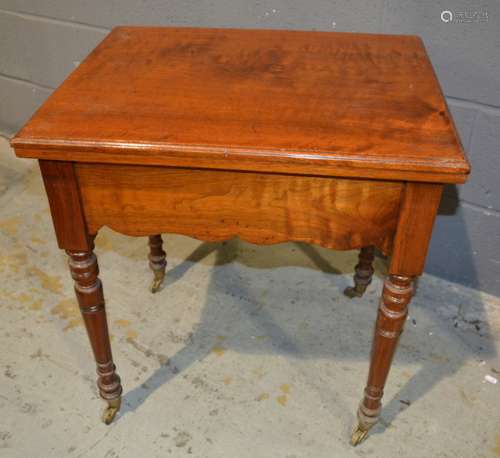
(42, 41)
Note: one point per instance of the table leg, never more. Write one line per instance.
(88, 289)
(364, 273)
(157, 261)
(392, 312)
(419, 205)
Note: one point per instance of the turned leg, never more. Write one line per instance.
(88, 288)
(364, 273)
(157, 261)
(391, 317)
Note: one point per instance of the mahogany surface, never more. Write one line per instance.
(327, 103)
(88, 289)
(337, 139)
(260, 208)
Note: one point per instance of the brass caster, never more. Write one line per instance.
(159, 275)
(354, 291)
(111, 410)
(358, 435)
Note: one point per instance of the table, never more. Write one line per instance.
(336, 139)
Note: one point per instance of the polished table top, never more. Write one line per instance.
(323, 103)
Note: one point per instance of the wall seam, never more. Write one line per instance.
(53, 20)
(456, 101)
(473, 206)
(25, 81)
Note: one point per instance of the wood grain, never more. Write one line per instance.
(65, 206)
(392, 312)
(337, 139)
(419, 207)
(260, 208)
(88, 289)
(322, 103)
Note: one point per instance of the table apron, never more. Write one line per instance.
(261, 208)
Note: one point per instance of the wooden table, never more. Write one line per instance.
(337, 139)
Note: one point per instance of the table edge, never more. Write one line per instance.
(301, 162)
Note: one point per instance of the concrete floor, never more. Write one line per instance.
(247, 352)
